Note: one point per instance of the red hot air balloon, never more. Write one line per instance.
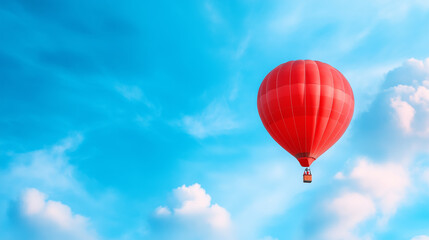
(306, 106)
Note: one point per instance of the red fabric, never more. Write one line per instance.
(306, 106)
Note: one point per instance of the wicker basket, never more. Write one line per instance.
(307, 178)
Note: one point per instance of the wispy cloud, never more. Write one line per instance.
(350, 209)
(130, 92)
(216, 119)
(420, 237)
(212, 12)
(46, 169)
(146, 110)
(134, 93)
(285, 21)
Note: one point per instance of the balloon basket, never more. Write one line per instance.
(307, 178)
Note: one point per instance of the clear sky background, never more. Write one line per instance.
(135, 120)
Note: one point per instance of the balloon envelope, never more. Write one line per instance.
(306, 106)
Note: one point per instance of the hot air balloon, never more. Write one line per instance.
(306, 106)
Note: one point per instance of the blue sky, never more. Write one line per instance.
(138, 120)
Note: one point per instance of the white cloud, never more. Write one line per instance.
(191, 216)
(39, 218)
(418, 64)
(404, 89)
(421, 96)
(373, 191)
(404, 111)
(410, 98)
(162, 211)
(350, 209)
(216, 119)
(420, 237)
(387, 183)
